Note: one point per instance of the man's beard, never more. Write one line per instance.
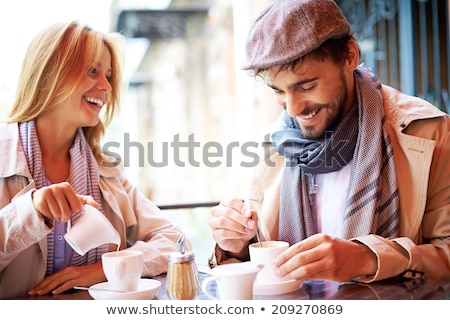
(332, 120)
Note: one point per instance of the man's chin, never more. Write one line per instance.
(311, 134)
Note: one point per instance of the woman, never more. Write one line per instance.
(67, 94)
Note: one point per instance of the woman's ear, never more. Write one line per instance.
(353, 55)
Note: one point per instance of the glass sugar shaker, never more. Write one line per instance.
(182, 282)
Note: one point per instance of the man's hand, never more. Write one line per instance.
(233, 224)
(326, 258)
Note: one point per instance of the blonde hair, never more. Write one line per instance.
(56, 61)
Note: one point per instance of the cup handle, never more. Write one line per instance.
(205, 288)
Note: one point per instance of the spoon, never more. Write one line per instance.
(99, 289)
(257, 235)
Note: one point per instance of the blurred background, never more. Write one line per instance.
(191, 122)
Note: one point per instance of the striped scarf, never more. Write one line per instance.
(84, 178)
(372, 205)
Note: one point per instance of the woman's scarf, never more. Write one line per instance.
(84, 178)
(372, 203)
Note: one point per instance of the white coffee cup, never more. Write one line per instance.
(234, 281)
(265, 255)
(91, 229)
(123, 269)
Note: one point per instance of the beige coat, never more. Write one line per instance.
(421, 142)
(23, 233)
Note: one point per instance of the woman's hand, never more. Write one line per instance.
(233, 224)
(59, 201)
(69, 277)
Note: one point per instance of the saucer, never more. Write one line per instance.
(277, 287)
(147, 290)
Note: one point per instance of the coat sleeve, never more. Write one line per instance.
(21, 226)
(424, 248)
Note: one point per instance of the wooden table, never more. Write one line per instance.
(392, 289)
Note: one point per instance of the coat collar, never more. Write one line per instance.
(11, 149)
(403, 109)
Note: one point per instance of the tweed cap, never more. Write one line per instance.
(290, 29)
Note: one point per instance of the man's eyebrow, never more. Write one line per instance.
(294, 85)
(271, 86)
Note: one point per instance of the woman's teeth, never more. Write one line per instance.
(95, 101)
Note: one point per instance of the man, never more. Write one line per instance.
(358, 180)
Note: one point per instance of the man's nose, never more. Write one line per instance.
(294, 105)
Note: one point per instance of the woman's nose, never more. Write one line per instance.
(104, 84)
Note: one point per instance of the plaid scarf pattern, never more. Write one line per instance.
(84, 178)
(372, 205)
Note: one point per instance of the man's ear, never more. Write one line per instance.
(353, 55)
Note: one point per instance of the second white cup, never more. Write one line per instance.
(234, 281)
(266, 255)
(123, 269)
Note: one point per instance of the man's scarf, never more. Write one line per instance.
(84, 178)
(372, 205)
